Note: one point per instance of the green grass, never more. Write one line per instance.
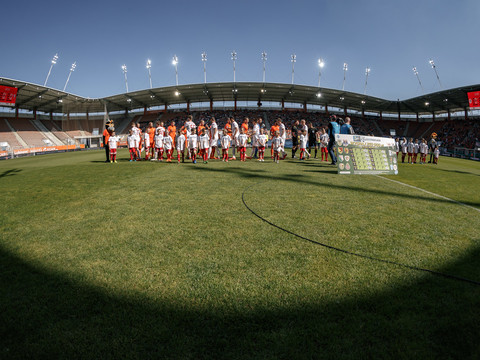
(149, 260)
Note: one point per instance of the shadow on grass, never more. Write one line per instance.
(10, 172)
(47, 315)
(455, 171)
(299, 178)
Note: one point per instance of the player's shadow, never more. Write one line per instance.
(299, 178)
(48, 314)
(10, 172)
(455, 171)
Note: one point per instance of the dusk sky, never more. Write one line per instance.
(390, 37)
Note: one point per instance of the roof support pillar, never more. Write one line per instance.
(305, 106)
(188, 106)
(381, 116)
(235, 105)
(51, 115)
(399, 117)
(433, 116)
(16, 112)
(418, 118)
(345, 111)
(283, 104)
(448, 114)
(126, 112)
(211, 104)
(326, 109)
(34, 114)
(165, 108)
(145, 110)
(363, 113)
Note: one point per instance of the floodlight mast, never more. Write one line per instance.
(418, 78)
(321, 64)
(234, 59)
(53, 62)
(345, 68)
(204, 60)
(367, 72)
(72, 69)
(175, 63)
(124, 69)
(264, 59)
(436, 73)
(149, 66)
(293, 59)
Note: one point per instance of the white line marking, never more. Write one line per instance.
(431, 193)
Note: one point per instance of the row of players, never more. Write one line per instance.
(413, 149)
(159, 140)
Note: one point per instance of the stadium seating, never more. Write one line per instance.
(29, 133)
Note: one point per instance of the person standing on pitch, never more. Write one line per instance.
(312, 138)
(283, 135)
(346, 128)
(235, 133)
(255, 133)
(432, 144)
(106, 136)
(213, 137)
(294, 138)
(333, 129)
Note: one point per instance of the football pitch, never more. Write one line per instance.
(142, 260)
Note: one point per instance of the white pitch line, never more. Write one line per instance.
(431, 193)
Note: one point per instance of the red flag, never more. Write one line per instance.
(474, 99)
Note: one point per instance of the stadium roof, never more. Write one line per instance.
(36, 97)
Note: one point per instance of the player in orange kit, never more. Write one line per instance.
(172, 131)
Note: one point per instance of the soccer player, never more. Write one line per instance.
(225, 142)
(168, 146)
(283, 135)
(324, 144)
(436, 155)
(106, 136)
(423, 151)
(262, 142)
(136, 134)
(131, 143)
(159, 144)
(410, 151)
(146, 143)
(112, 144)
(403, 146)
(416, 148)
(204, 144)
(277, 146)
(312, 138)
(180, 144)
(303, 140)
(255, 133)
(235, 133)
(192, 142)
(172, 131)
(242, 143)
(140, 142)
(397, 146)
(273, 130)
(213, 137)
(295, 132)
(151, 131)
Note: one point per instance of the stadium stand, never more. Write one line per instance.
(55, 130)
(8, 136)
(29, 133)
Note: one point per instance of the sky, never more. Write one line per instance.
(389, 37)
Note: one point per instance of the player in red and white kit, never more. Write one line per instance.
(160, 131)
(404, 146)
(416, 149)
(180, 144)
(225, 141)
(242, 144)
(410, 151)
(262, 142)
(131, 143)
(168, 146)
(112, 144)
(146, 143)
(303, 141)
(213, 137)
(159, 144)
(277, 146)
(235, 133)
(324, 138)
(192, 141)
(423, 148)
(204, 145)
